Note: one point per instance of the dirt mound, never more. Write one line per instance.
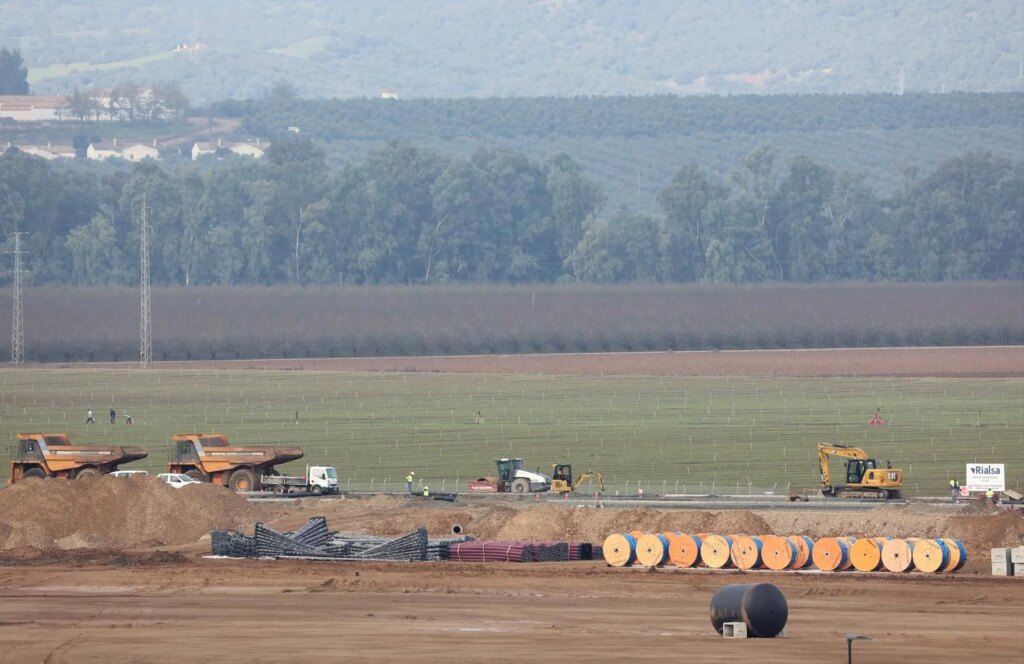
(980, 533)
(586, 524)
(114, 513)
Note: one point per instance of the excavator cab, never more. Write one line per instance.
(561, 478)
(855, 469)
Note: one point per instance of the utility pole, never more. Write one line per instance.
(18, 326)
(146, 323)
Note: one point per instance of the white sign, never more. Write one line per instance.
(985, 476)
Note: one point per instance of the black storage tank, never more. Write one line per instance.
(760, 606)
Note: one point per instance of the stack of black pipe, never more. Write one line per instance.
(313, 540)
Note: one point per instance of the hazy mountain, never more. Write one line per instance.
(478, 48)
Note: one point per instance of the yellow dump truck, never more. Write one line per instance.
(54, 455)
(209, 457)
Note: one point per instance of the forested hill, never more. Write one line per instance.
(458, 48)
(632, 145)
(370, 119)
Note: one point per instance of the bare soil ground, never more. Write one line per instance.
(949, 362)
(90, 583)
(261, 611)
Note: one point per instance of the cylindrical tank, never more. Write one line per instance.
(760, 606)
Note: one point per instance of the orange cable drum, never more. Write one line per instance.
(830, 554)
(848, 560)
(652, 550)
(745, 552)
(637, 534)
(684, 550)
(898, 555)
(866, 554)
(954, 554)
(957, 554)
(777, 553)
(804, 548)
(619, 550)
(714, 551)
(931, 556)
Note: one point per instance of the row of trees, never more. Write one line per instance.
(128, 101)
(407, 215)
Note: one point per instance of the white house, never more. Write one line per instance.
(49, 151)
(140, 151)
(101, 151)
(249, 149)
(31, 108)
(245, 148)
(200, 148)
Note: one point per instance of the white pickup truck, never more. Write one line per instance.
(317, 480)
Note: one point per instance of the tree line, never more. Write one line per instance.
(407, 215)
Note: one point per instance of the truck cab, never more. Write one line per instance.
(323, 479)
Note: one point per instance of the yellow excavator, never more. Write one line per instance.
(864, 479)
(561, 478)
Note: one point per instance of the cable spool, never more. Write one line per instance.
(745, 552)
(652, 550)
(619, 550)
(714, 551)
(637, 534)
(804, 550)
(930, 555)
(456, 529)
(777, 553)
(848, 561)
(866, 554)
(957, 554)
(684, 550)
(898, 555)
(760, 606)
(830, 554)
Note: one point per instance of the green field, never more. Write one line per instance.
(38, 74)
(725, 435)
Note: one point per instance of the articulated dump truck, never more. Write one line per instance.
(54, 455)
(209, 457)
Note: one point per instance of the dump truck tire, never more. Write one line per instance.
(87, 472)
(197, 474)
(521, 485)
(280, 489)
(35, 472)
(242, 480)
(316, 490)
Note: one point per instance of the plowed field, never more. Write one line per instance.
(979, 362)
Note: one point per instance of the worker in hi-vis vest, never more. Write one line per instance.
(408, 482)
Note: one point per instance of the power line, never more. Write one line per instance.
(146, 324)
(18, 324)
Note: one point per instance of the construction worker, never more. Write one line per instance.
(113, 416)
(990, 495)
(127, 419)
(408, 482)
(88, 417)
(954, 489)
(426, 492)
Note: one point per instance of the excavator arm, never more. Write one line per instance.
(590, 474)
(825, 451)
